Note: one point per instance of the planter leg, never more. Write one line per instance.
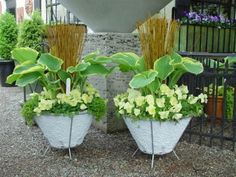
(71, 123)
(46, 151)
(176, 155)
(135, 152)
(153, 158)
(153, 155)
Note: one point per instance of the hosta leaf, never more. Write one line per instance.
(51, 62)
(25, 54)
(163, 67)
(63, 75)
(27, 79)
(192, 66)
(143, 79)
(95, 69)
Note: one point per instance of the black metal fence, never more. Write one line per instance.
(218, 126)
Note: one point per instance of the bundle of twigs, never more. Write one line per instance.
(157, 37)
(66, 42)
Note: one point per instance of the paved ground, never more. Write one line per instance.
(21, 153)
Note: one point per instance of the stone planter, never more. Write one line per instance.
(165, 134)
(56, 129)
(199, 38)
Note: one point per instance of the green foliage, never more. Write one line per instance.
(47, 69)
(31, 32)
(27, 110)
(167, 69)
(8, 35)
(97, 107)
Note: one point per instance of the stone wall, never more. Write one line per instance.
(108, 44)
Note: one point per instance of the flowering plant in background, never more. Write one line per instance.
(203, 18)
(47, 70)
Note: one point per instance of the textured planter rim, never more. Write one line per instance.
(166, 134)
(64, 132)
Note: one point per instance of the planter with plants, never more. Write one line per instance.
(65, 107)
(64, 114)
(8, 40)
(215, 105)
(154, 108)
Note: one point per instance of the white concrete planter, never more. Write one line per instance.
(165, 134)
(57, 129)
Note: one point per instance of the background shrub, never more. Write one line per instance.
(31, 32)
(8, 35)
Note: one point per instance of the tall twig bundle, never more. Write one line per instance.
(157, 37)
(66, 42)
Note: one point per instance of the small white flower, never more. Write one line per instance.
(140, 100)
(83, 106)
(173, 101)
(164, 114)
(136, 112)
(192, 99)
(160, 102)
(176, 108)
(151, 110)
(150, 99)
(177, 116)
(121, 111)
(128, 107)
(203, 98)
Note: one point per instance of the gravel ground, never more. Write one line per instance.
(22, 148)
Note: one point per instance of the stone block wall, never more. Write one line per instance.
(108, 44)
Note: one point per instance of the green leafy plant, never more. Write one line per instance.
(31, 32)
(47, 70)
(8, 35)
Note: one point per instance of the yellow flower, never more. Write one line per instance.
(203, 98)
(85, 98)
(177, 116)
(184, 89)
(83, 106)
(140, 100)
(121, 111)
(166, 90)
(133, 94)
(192, 99)
(151, 110)
(128, 107)
(136, 112)
(176, 108)
(150, 99)
(173, 101)
(164, 114)
(160, 102)
(76, 94)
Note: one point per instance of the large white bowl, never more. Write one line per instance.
(56, 129)
(113, 15)
(165, 134)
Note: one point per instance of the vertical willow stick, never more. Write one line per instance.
(157, 37)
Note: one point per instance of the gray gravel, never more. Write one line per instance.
(22, 148)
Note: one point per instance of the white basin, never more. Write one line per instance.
(113, 15)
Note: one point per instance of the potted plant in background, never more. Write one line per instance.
(155, 109)
(31, 32)
(64, 109)
(8, 40)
